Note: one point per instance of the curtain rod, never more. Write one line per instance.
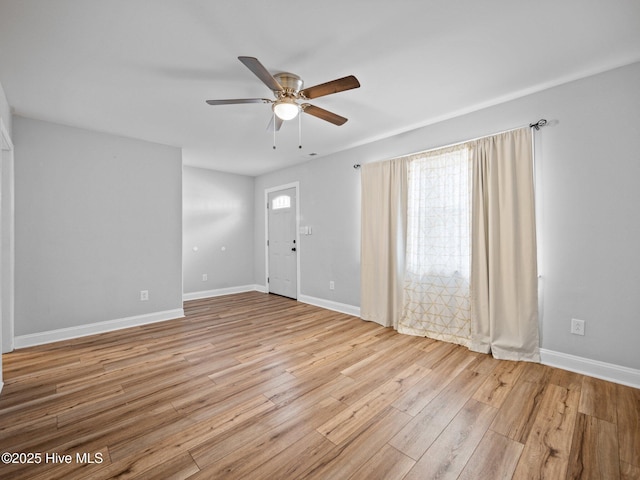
(537, 125)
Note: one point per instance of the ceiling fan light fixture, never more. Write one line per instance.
(286, 109)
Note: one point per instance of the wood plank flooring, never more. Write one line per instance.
(256, 386)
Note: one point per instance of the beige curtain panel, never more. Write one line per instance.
(383, 234)
(500, 296)
(504, 275)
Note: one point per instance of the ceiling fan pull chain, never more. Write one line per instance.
(274, 130)
(300, 131)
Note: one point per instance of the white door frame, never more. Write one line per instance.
(267, 191)
(7, 242)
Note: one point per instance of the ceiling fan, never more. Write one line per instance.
(288, 90)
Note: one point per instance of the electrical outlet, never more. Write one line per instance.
(205, 277)
(577, 326)
(332, 285)
(144, 295)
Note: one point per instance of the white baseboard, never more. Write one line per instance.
(223, 291)
(592, 368)
(330, 305)
(69, 333)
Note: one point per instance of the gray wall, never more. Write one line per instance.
(588, 169)
(98, 219)
(218, 222)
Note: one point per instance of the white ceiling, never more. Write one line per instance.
(144, 68)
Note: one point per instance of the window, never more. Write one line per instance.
(281, 201)
(438, 214)
(428, 258)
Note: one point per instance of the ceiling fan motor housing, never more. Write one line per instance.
(291, 82)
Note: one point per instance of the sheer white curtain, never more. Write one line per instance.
(449, 245)
(438, 248)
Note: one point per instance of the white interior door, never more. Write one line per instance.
(281, 243)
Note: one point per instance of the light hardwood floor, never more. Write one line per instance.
(255, 386)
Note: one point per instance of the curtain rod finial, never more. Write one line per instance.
(540, 123)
